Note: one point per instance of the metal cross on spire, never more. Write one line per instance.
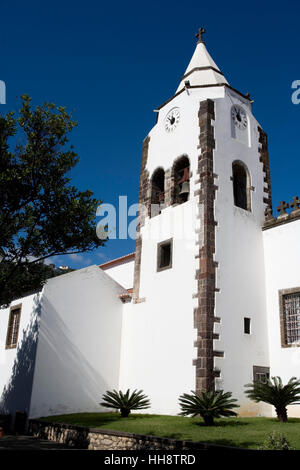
(199, 35)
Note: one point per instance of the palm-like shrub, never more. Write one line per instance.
(209, 405)
(275, 393)
(125, 402)
(276, 441)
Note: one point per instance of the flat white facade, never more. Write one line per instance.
(68, 352)
(158, 334)
(131, 324)
(121, 271)
(17, 364)
(282, 261)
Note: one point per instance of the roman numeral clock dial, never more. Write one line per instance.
(239, 117)
(172, 119)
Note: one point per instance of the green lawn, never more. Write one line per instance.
(242, 432)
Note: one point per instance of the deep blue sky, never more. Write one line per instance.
(112, 63)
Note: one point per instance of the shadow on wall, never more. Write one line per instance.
(16, 394)
(67, 373)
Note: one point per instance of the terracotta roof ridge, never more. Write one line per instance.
(117, 261)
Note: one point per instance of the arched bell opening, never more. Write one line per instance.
(181, 180)
(157, 191)
(241, 185)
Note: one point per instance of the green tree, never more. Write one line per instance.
(41, 213)
(275, 393)
(125, 402)
(209, 405)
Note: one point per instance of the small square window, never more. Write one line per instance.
(247, 326)
(261, 374)
(164, 255)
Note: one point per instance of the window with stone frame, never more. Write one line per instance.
(261, 374)
(289, 301)
(164, 255)
(13, 327)
(241, 185)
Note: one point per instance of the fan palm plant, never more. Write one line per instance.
(275, 393)
(208, 405)
(125, 402)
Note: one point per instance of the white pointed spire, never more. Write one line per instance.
(202, 70)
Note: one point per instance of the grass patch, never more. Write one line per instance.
(242, 432)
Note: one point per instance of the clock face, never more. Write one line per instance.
(172, 119)
(239, 117)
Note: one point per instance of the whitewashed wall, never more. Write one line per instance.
(122, 273)
(78, 353)
(158, 334)
(282, 261)
(17, 364)
(239, 252)
(165, 147)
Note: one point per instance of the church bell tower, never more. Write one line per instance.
(204, 191)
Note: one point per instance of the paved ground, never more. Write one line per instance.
(29, 443)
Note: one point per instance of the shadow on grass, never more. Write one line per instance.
(228, 442)
(133, 417)
(220, 424)
(94, 420)
(117, 418)
(175, 435)
(84, 420)
(214, 441)
(289, 421)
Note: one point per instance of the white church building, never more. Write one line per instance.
(211, 296)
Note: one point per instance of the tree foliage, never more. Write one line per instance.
(30, 279)
(209, 405)
(41, 213)
(125, 402)
(275, 393)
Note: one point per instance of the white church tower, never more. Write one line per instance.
(198, 316)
